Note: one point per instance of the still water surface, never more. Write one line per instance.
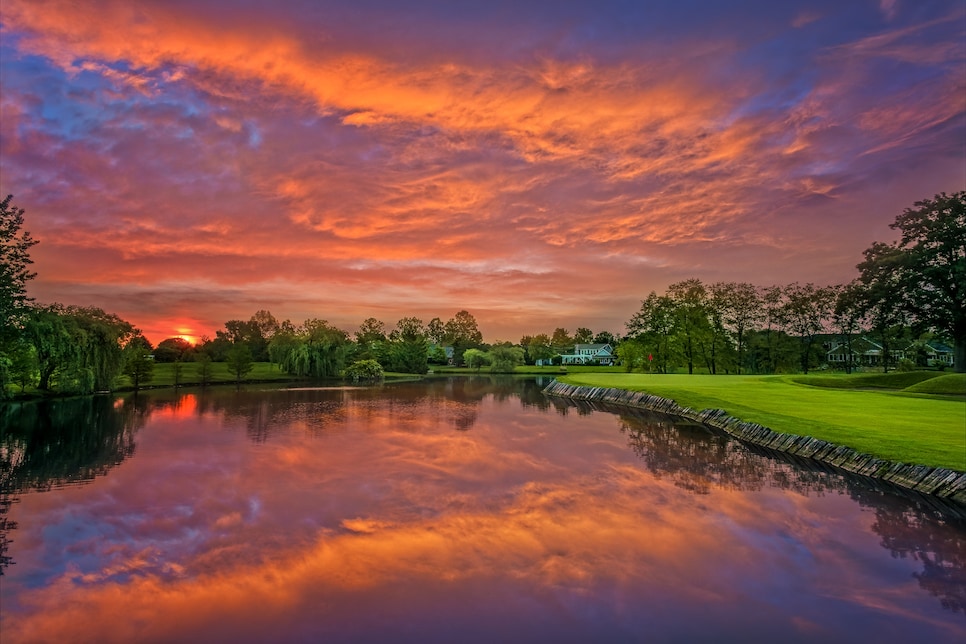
(453, 510)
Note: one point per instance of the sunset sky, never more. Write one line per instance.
(539, 164)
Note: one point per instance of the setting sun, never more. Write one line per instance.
(540, 171)
(540, 321)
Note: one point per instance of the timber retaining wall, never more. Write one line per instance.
(938, 481)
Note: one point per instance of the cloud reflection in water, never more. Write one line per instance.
(363, 513)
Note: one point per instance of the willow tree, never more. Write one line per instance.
(48, 330)
(316, 350)
(80, 349)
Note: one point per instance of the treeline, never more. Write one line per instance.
(732, 327)
(317, 349)
(905, 293)
(905, 290)
(67, 349)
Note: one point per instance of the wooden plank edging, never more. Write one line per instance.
(943, 482)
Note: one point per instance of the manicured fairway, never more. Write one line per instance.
(926, 431)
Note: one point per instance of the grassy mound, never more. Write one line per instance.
(893, 380)
(952, 384)
(886, 423)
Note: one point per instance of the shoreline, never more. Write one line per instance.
(945, 483)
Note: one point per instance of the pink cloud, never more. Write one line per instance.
(163, 146)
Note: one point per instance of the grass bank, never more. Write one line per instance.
(163, 375)
(883, 420)
(527, 370)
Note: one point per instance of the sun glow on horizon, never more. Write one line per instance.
(188, 336)
(399, 172)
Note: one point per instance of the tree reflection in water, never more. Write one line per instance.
(55, 443)
(66, 442)
(699, 459)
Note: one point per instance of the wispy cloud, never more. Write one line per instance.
(153, 143)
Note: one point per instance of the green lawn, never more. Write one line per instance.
(530, 370)
(904, 425)
(163, 374)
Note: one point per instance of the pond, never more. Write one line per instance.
(453, 509)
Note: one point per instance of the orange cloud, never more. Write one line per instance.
(254, 150)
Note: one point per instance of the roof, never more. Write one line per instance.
(592, 347)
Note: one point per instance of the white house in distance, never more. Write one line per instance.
(590, 354)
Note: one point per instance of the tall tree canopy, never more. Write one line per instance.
(926, 267)
(14, 274)
(15, 245)
(462, 332)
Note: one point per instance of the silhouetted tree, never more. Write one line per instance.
(924, 273)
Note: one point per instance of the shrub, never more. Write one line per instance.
(364, 370)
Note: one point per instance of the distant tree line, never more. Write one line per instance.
(906, 292)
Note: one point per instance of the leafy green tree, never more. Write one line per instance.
(177, 370)
(808, 310)
(690, 299)
(560, 341)
(436, 331)
(248, 332)
(316, 350)
(78, 347)
(46, 329)
(924, 272)
(372, 341)
(583, 335)
(462, 332)
(203, 365)
(772, 346)
(15, 259)
(606, 337)
(525, 345)
(632, 355)
(883, 295)
(370, 331)
(715, 343)
(409, 349)
(266, 323)
(740, 309)
(476, 359)
(138, 365)
(240, 361)
(172, 350)
(504, 357)
(436, 355)
(216, 348)
(540, 347)
(23, 364)
(654, 326)
(848, 317)
(282, 346)
(15, 246)
(104, 336)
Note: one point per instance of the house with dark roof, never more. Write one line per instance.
(864, 353)
(602, 354)
(936, 353)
